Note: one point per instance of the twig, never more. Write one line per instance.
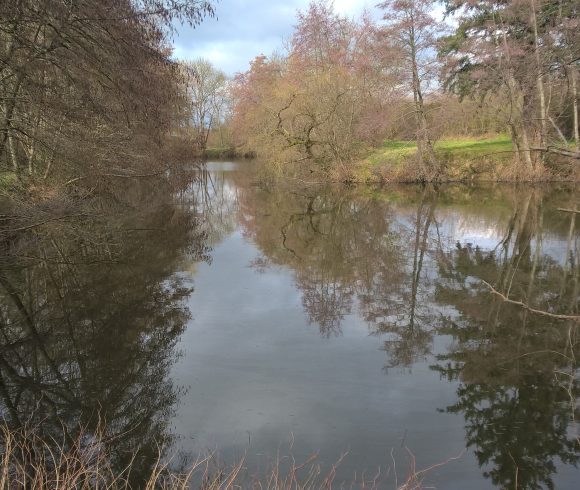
(574, 318)
(566, 210)
(549, 149)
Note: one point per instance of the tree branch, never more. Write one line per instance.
(574, 318)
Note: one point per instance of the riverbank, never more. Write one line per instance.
(461, 160)
(496, 148)
(464, 159)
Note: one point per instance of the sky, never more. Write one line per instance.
(244, 29)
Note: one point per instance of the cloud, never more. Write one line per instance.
(230, 56)
(244, 29)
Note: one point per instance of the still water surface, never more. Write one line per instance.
(339, 320)
(263, 321)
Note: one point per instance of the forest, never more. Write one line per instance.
(89, 90)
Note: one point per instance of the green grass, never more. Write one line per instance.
(472, 147)
(392, 151)
(7, 179)
(468, 148)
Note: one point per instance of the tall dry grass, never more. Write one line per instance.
(28, 461)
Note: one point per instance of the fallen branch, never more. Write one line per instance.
(566, 210)
(557, 151)
(574, 318)
(550, 149)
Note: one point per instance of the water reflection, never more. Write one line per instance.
(92, 319)
(90, 314)
(414, 263)
(519, 375)
(345, 246)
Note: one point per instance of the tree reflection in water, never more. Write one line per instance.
(518, 371)
(90, 313)
(392, 261)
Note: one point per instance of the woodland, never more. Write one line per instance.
(90, 92)
(343, 92)
(109, 209)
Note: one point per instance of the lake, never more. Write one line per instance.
(386, 329)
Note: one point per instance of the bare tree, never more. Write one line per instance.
(207, 93)
(411, 30)
(92, 72)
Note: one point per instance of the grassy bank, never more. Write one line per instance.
(8, 180)
(465, 158)
(462, 159)
(498, 148)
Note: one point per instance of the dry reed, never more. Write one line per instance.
(28, 461)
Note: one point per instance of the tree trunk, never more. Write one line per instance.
(12, 152)
(575, 105)
(424, 145)
(515, 142)
(517, 125)
(526, 147)
(539, 77)
(9, 107)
